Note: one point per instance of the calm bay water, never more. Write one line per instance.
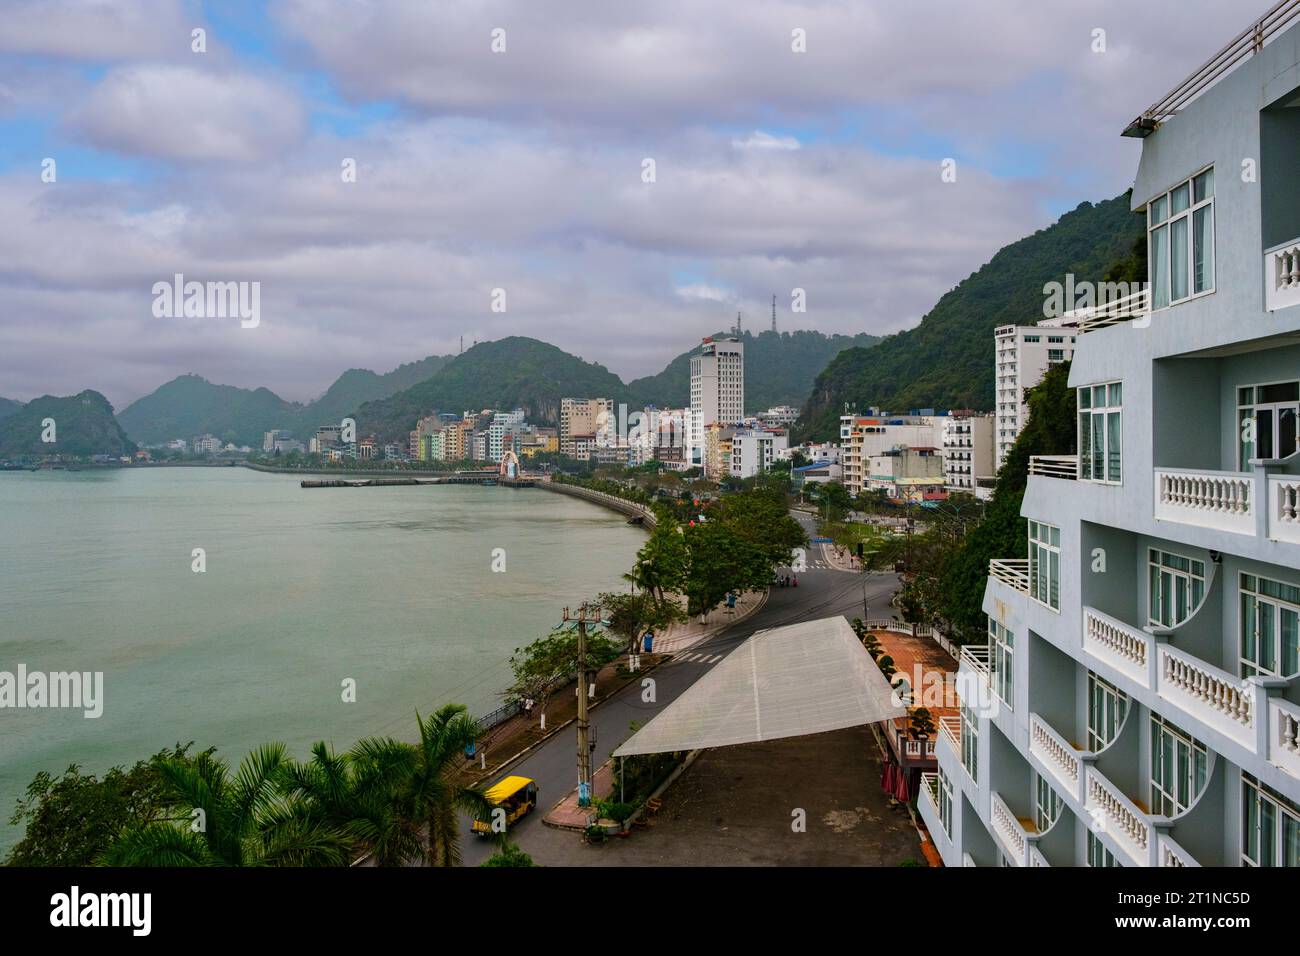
(392, 587)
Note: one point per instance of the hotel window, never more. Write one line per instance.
(1033, 338)
(1266, 421)
(1098, 855)
(1045, 564)
(969, 742)
(1101, 432)
(1047, 805)
(1001, 644)
(1055, 356)
(1270, 826)
(1270, 627)
(945, 802)
(1180, 229)
(1107, 705)
(1178, 768)
(1176, 586)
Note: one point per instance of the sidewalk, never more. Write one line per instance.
(567, 815)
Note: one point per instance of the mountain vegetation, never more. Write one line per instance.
(8, 406)
(514, 372)
(83, 425)
(191, 405)
(780, 369)
(945, 361)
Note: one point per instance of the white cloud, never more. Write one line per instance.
(761, 140)
(187, 113)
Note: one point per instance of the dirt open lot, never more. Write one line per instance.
(733, 807)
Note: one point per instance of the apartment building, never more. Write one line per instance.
(906, 474)
(717, 390)
(968, 440)
(1022, 355)
(582, 418)
(868, 435)
(754, 449)
(1137, 702)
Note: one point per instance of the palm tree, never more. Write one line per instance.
(244, 820)
(354, 796)
(420, 776)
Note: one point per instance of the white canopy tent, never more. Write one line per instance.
(786, 682)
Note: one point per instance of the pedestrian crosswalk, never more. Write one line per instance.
(698, 657)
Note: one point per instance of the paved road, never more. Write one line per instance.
(822, 592)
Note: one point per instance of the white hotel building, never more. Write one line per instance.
(1138, 700)
(717, 390)
(1022, 355)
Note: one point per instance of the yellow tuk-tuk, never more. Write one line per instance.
(514, 795)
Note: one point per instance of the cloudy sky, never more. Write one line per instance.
(523, 168)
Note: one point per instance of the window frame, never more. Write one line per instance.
(1250, 667)
(1156, 570)
(1167, 223)
(1090, 410)
(1002, 647)
(1162, 794)
(1052, 549)
(1254, 793)
(1114, 700)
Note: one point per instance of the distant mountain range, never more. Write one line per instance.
(947, 360)
(190, 405)
(507, 373)
(82, 425)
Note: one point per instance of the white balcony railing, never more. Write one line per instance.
(1284, 735)
(1056, 753)
(1054, 466)
(1173, 855)
(1120, 817)
(1282, 276)
(1013, 572)
(1209, 499)
(976, 657)
(1209, 694)
(950, 730)
(1284, 508)
(930, 793)
(1112, 312)
(1036, 858)
(1123, 647)
(1009, 830)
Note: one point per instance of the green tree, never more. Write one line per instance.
(509, 854)
(224, 820)
(631, 615)
(720, 561)
(548, 663)
(354, 795)
(72, 819)
(420, 779)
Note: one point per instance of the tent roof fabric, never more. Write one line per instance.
(785, 682)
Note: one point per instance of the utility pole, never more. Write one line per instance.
(774, 317)
(586, 615)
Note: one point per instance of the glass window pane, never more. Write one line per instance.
(1203, 185)
(1085, 446)
(1116, 394)
(1178, 260)
(1180, 199)
(1113, 446)
(1159, 267)
(1159, 209)
(1085, 398)
(1203, 249)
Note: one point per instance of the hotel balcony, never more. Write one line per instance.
(1224, 501)
(1064, 761)
(1170, 854)
(1013, 572)
(1054, 466)
(1125, 821)
(1018, 835)
(1282, 276)
(1204, 697)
